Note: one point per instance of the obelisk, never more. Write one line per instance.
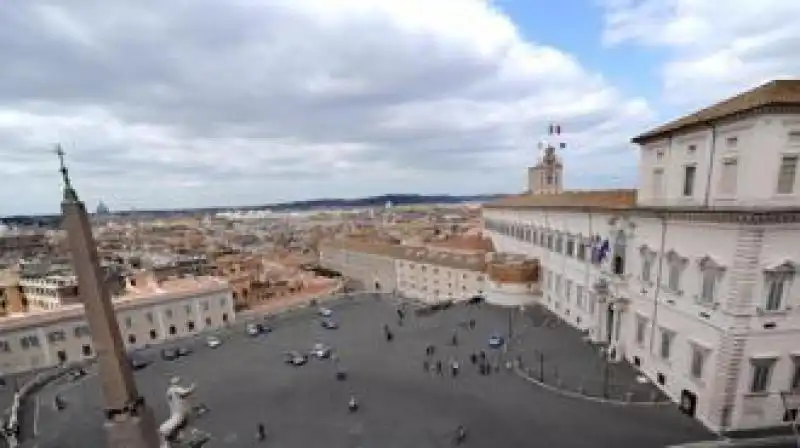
(129, 422)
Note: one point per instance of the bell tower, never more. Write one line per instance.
(547, 176)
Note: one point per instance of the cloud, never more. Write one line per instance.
(714, 48)
(188, 103)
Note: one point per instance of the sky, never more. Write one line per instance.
(191, 103)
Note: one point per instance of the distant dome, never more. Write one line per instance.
(102, 209)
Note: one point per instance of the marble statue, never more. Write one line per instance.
(175, 429)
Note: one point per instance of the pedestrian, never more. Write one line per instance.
(454, 368)
(261, 432)
(454, 339)
(472, 324)
(439, 366)
(473, 358)
(426, 366)
(389, 336)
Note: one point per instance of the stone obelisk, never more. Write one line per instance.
(129, 422)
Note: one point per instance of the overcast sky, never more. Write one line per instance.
(186, 103)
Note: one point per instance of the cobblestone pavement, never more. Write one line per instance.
(245, 382)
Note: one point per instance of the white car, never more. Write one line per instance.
(321, 351)
(325, 312)
(213, 341)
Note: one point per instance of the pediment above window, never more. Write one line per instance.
(783, 267)
(674, 257)
(708, 262)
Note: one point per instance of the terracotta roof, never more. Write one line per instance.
(473, 262)
(601, 199)
(774, 93)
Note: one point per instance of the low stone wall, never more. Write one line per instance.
(11, 428)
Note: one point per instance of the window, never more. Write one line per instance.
(568, 289)
(188, 309)
(128, 322)
(570, 246)
(559, 243)
(29, 341)
(710, 274)
(761, 373)
(558, 284)
(691, 149)
(699, 355)
(795, 384)
(676, 264)
(56, 336)
(86, 350)
(581, 254)
(550, 241)
(190, 325)
(5, 347)
(666, 343)
(168, 313)
(153, 335)
(689, 173)
(131, 339)
(172, 330)
(641, 330)
(659, 154)
(658, 182)
(208, 321)
(778, 283)
(81, 331)
(729, 177)
(647, 267)
(579, 296)
(149, 317)
(732, 142)
(787, 174)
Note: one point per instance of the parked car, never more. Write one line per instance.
(329, 324)
(325, 312)
(254, 329)
(138, 361)
(321, 351)
(169, 354)
(474, 300)
(295, 358)
(496, 341)
(183, 351)
(213, 341)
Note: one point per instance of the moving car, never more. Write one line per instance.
(138, 361)
(254, 329)
(325, 312)
(496, 341)
(329, 324)
(213, 341)
(321, 351)
(295, 358)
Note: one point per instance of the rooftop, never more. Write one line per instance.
(472, 262)
(601, 199)
(167, 291)
(774, 93)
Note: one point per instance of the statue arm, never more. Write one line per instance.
(186, 391)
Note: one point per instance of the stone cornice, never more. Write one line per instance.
(739, 215)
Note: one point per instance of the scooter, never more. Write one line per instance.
(353, 404)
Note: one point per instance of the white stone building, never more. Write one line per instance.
(178, 309)
(691, 277)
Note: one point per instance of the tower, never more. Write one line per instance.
(546, 177)
(129, 422)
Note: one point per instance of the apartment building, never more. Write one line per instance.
(178, 308)
(433, 274)
(691, 277)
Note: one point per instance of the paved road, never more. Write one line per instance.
(245, 382)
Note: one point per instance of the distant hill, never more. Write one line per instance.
(371, 201)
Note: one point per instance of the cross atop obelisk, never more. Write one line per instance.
(69, 192)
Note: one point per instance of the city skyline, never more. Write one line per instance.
(168, 106)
